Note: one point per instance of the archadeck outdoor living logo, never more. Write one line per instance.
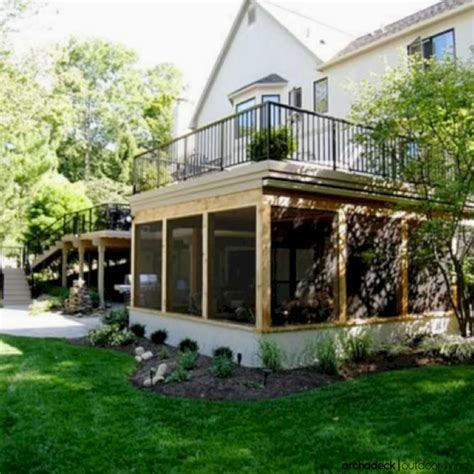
(402, 466)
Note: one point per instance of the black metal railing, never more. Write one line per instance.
(103, 217)
(270, 131)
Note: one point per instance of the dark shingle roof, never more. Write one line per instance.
(270, 79)
(404, 23)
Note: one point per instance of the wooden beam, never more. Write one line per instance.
(132, 266)
(81, 251)
(404, 267)
(164, 266)
(263, 266)
(101, 273)
(64, 254)
(205, 265)
(341, 255)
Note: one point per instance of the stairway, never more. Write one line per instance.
(15, 287)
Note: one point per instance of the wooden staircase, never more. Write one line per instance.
(16, 291)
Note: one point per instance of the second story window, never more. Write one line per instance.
(246, 118)
(274, 110)
(295, 97)
(438, 47)
(321, 103)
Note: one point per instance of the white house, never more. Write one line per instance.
(255, 225)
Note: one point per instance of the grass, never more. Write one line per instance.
(68, 409)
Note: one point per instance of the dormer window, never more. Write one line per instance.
(251, 16)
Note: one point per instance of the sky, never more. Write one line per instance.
(190, 34)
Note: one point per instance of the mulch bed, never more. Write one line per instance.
(248, 383)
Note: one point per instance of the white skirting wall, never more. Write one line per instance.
(212, 334)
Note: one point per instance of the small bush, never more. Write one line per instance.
(222, 366)
(45, 304)
(188, 360)
(178, 375)
(270, 354)
(431, 345)
(110, 335)
(95, 298)
(274, 144)
(395, 348)
(223, 351)
(164, 353)
(117, 316)
(326, 357)
(160, 336)
(138, 329)
(458, 349)
(358, 348)
(57, 292)
(188, 345)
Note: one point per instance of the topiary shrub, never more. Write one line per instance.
(159, 336)
(117, 316)
(188, 345)
(222, 366)
(138, 329)
(274, 144)
(224, 352)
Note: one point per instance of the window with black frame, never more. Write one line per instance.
(184, 255)
(148, 257)
(303, 266)
(246, 117)
(321, 102)
(295, 97)
(439, 47)
(274, 110)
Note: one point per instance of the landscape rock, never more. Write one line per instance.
(147, 355)
(158, 377)
(139, 351)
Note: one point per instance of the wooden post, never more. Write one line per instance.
(164, 266)
(205, 265)
(64, 265)
(100, 274)
(341, 255)
(132, 266)
(263, 266)
(81, 250)
(404, 268)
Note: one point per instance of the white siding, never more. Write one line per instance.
(257, 50)
(362, 66)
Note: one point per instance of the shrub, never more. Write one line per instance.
(223, 351)
(160, 336)
(117, 316)
(358, 348)
(45, 304)
(95, 298)
(58, 292)
(138, 329)
(270, 354)
(222, 366)
(275, 144)
(188, 345)
(110, 335)
(327, 360)
(395, 348)
(458, 349)
(188, 360)
(178, 375)
(431, 345)
(164, 353)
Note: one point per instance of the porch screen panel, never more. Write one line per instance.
(303, 266)
(148, 252)
(373, 271)
(232, 265)
(185, 265)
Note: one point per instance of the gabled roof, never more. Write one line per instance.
(406, 23)
(283, 20)
(271, 79)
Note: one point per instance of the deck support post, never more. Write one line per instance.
(164, 266)
(101, 273)
(206, 263)
(81, 251)
(64, 253)
(404, 268)
(263, 266)
(341, 259)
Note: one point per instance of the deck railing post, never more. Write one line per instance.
(222, 137)
(268, 127)
(333, 144)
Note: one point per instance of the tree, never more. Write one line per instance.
(115, 109)
(423, 115)
(55, 196)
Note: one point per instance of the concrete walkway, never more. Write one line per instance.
(16, 321)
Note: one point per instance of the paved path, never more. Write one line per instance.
(16, 320)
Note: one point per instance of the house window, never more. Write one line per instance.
(246, 118)
(302, 266)
(295, 97)
(275, 110)
(321, 102)
(251, 16)
(232, 265)
(185, 265)
(438, 47)
(148, 251)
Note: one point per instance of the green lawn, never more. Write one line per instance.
(70, 409)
